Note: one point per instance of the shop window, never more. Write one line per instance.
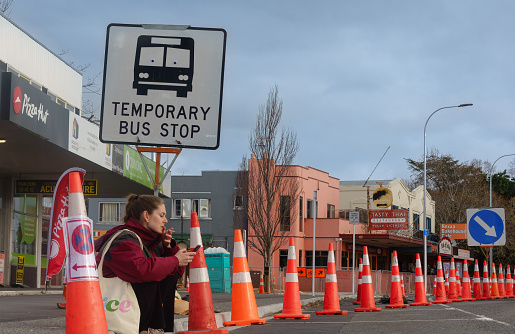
(284, 212)
(416, 219)
(330, 211)
(238, 202)
(110, 212)
(301, 214)
(320, 258)
(185, 206)
(25, 224)
(283, 258)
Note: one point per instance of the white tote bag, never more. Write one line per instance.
(120, 303)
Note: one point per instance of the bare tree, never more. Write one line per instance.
(267, 190)
(5, 7)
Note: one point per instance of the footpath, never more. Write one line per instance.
(267, 304)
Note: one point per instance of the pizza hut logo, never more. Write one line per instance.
(17, 102)
(22, 105)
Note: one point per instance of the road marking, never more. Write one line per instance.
(478, 316)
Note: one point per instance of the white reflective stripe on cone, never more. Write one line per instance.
(395, 263)
(509, 280)
(78, 208)
(199, 275)
(291, 253)
(440, 280)
(365, 261)
(241, 277)
(419, 279)
(418, 265)
(239, 249)
(485, 280)
(195, 237)
(330, 257)
(452, 279)
(366, 279)
(477, 280)
(465, 280)
(396, 278)
(292, 278)
(330, 278)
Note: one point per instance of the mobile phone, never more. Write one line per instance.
(196, 248)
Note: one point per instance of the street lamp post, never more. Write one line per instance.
(425, 187)
(490, 177)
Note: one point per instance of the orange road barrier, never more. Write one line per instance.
(367, 290)
(477, 282)
(331, 297)
(244, 308)
(494, 290)
(201, 316)
(420, 287)
(83, 287)
(500, 283)
(509, 283)
(440, 297)
(453, 289)
(291, 301)
(465, 286)
(396, 293)
(360, 269)
(486, 283)
(261, 284)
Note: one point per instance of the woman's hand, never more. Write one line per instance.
(167, 237)
(184, 257)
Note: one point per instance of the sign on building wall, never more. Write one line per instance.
(445, 246)
(454, 231)
(382, 197)
(47, 187)
(388, 219)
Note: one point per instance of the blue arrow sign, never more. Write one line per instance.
(485, 227)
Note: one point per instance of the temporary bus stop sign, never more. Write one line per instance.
(163, 86)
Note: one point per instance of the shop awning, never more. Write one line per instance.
(384, 240)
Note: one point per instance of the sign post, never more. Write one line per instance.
(354, 220)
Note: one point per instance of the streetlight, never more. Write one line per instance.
(490, 177)
(425, 186)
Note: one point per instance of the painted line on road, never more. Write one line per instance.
(478, 316)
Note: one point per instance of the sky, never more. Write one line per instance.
(357, 78)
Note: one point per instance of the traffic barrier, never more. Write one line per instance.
(331, 297)
(420, 287)
(244, 308)
(453, 289)
(440, 297)
(486, 283)
(291, 302)
(466, 294)
(500, 283)
(509, 283)
(367, 290)
(494, 287)
(396, 293)
(477, 282)
(83, 287)
(360, 269)
(201, 316)
(261, 284)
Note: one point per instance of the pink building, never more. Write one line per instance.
(328, 225)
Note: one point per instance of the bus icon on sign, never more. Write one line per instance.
(164, 63)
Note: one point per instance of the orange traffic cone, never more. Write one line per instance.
(465, 286)
(420, 289)
(201, 316)
(360, 269)
(402, 286)
(458, 286)
(187, 283)
(486, 283)
(440, 297)
(291, 301)
(331, 297)
(447, 285)
(367, 290)
(434, 287)
(83, 287)
(509, 283)
(453, 291)
(396, 293)
(494, 287)
(500, 283)
(244, 308)
(477, 282)
(261, 284)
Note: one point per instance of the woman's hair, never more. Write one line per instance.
(137, 204)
